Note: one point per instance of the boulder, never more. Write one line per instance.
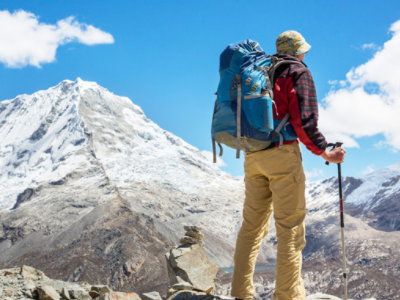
(77, 292)
(151, 296)
(190, 241)
(173, 277)
(32, 273)
(183, 286)
(29, 294)
(192, 228)
(47, 292)
(193, 295)
(29, 285)
(194, 234)
(65, 294)
(119, 296)
(189, 263)
(98, 290)
(85, 285)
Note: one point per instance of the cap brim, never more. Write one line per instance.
(304, 48)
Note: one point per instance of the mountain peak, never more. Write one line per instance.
(79, 85)
(51, 133)
(78, 147)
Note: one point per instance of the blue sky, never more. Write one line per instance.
(163, 55)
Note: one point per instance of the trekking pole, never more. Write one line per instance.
(338, 144)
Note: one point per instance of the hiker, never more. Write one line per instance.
(275, 180)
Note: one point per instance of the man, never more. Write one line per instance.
(275, 180)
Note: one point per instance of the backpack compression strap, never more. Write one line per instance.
(215, 150)
(277, 131)
(238, 114)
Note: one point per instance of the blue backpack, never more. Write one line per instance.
(243, 116)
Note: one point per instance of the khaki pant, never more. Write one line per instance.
(274, 179)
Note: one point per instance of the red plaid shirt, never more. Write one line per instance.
(294, 92)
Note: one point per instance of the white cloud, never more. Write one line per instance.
(314, 173)
(209, 156)
(333, 82)
(372, 46)
(25, 41)
(368, 169)
(368, 104)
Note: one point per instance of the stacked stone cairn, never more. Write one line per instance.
(192, 236)
(190, 272)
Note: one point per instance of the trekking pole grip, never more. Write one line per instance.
(333, 145)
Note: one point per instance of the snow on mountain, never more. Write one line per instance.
(323, 195)
(374, 197)
(34, 130)
(378, 183)
(43, 134)
(80, 126)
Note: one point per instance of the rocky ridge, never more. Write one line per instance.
(24, 283)
(191, 274)
(27, 283)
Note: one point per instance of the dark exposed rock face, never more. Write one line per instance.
(349, 184)
(383, 211)
(23, 197)
(380, 208)
(83, 240)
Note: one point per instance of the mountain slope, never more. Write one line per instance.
(85, 174)
(374, 197)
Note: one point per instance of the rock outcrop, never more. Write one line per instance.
(188, 265)
(26, 283)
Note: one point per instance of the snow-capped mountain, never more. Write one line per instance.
(374, 197)
(76, 154)
(43, 136)
(51, 133)
(90, 189)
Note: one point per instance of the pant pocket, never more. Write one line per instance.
(300, 177)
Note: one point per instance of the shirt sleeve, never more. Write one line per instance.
(303, 109)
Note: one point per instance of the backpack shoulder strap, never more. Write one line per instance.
(277, 62)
